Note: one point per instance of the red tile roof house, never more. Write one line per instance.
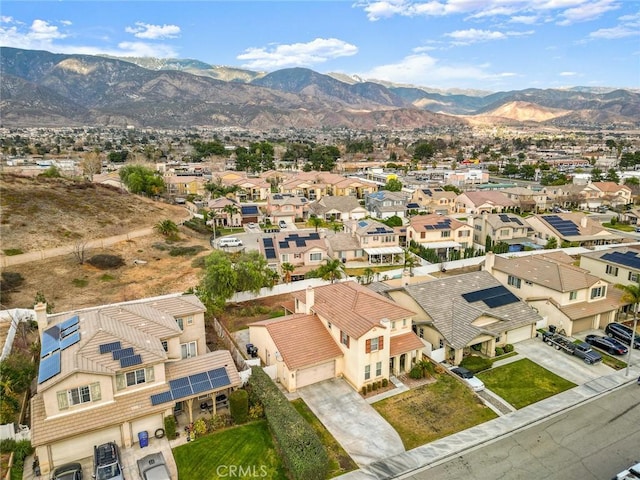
(342, 329)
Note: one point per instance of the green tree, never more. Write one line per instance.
(632, 296)
(393, 185)
(287, 269)
(230, 210)
(551, 243)
(368, 275)
(612, 176)
(596, 174)
(252, 272)
(167, 228)
(331, 270)
(140, 179)
(423, 151)
(316, 222)
(392, 221)
(218, 282)
(410, 261)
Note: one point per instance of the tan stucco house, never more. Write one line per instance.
(342, 329)
(574, 228)
(501, 227)
(440, 233)
(110, 372)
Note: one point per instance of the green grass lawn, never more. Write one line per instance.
(339, 461)
(246, 451)
(427, 413)
(354, 272)
(619, 226)
(523, 382)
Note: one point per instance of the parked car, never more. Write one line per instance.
(471, 380)
(230, 242)
(106, 462)
(631, 473)
(608, 344)
(282, 224)
(153, 467)
(69, 471)
(252, 225)
(622, 333)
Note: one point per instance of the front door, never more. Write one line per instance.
(391, 365)
(403, 360)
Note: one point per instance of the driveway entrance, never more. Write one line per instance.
(355, 424)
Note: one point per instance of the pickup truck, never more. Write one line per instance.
(581, 349)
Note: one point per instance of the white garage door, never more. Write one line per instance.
(519, 334)
(315, 374)
(74, 449)
(149, 424)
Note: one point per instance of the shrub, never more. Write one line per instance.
(200, 427)
(385, 382)
(198, 262)
(302, 452)
(364, 390)
(476, 363)
(416, 373)
(374, 387)
(187, 251)
(499, 351)
(508, 348)
(12, 251)
(105, 261)
(239, 406)
(170, 427)
(107, 278)
(21, 450)
(368, 388)
(197, 225)
(80, 282)
(256, 412)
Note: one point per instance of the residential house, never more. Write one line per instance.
(337, 208)
(506, 228)
(568, 296)
(378, 241)
(459, 314)
(528, 200)
(566, 196)
(434, 200)
(309, 185)
(183, 185)
(352, 186)
(631, 216)
(252, 189)
(304, 249)
(224, 211)
(610, 194)
(484, 201)
(342, 329)
(440, 233)
(617, 265)
(250, 213)
(110, 372)
(282, 206)
(385, 204)
(571, 228)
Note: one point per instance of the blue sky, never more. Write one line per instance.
(471, 44)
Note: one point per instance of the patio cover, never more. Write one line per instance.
(383, 250)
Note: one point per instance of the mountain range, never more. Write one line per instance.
(45, 89)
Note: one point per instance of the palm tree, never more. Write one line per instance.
(331, 270)
(167, 228)
(287, 268)
(230, 210)
(316, 222)
(368, 275)
(631, 295)
(410, 261)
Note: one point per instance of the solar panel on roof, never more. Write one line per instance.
(159, 398)
(123, 352)
(179, 382)
(362, 224)
(517, 220)
(283, 244)
(49, 367)
(109, 347)
(130, 361)
(70, 340)
(220, 381)
(301, 242)
(484, 293)
(181, 392)
(292, 236)
(628, 259)
(200, 387)
(504, 218)
(199, 377)
(69, 323)
(69, 330)
(268, 242)
(50, 341)
(500, 300)
(218, 372)
(429, 227)
(270, 253)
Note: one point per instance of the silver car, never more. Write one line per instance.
(153, 467)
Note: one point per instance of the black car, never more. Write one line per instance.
(70, 471)
(608, 344)
(623, 333)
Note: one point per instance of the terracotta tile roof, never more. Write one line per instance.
(405, 343)
(610, 187)
(549, 273)
(420, 221)
(353, 308)
(302, 340)
(489, 196)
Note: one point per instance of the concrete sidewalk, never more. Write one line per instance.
(401, 465)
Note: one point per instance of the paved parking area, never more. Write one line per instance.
(564, 365)
(355, 424)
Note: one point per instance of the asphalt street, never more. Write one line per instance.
(593, 441)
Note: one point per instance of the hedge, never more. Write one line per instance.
(302, 452)
(239, 406)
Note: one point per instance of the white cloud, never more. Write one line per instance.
(526, 19)
(568, 74)
(38, 36)
(43, 30)
(308, 54)
(586, 12)
(629, 26)
(423, 69)
(6, 19)
(153, 32)
(472, 35)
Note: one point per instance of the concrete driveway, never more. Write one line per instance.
(566, 366)
(355, 424)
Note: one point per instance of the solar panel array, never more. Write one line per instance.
(126, 356)
(110, 347)
(492, 297)
(413, 205)
(130, 361)
(507, 219)
(566, 228)
(192, 385)
(270, 253)
(380, 231)
(362, 224)
(268, 242)
(249, 210)
(443, 224)
(629, 259)
(49, 367)
(54, 340)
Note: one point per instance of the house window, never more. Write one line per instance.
(393, 325)
(297, 255)
(422, 234)
(445, 234)
(285, 257)
(421, 332)
(189, 349)
(378, 369)
(375, 238)
(633, 277)
(404, 322)
(367, 372)
(441, 343)
(504, 232)
(598, 292)
(165, 346)
(611, 270)
(315, 257)
(189, 320)
(344, 338)
(329, 325)
(79, 395)
(573, 295)
(374, 344)
(135, 378)
(464, 233)
(180, 322)
(514, 281)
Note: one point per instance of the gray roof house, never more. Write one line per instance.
(385, 204)
(338, 208)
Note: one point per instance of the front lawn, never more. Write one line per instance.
(339, 461)
(523, 382)
(433, 411)
(246, 451)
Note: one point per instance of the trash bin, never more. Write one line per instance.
(143, 437)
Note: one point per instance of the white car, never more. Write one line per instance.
(631, 473)
(282, 224)
(467, 375)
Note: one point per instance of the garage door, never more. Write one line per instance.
(149, 424)
(74, 449)
(582, 325)
(519, 334)
(315, 374)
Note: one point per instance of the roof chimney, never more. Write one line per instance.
(309, 299)
(41, 317)
(583, 222)
(489, 261)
